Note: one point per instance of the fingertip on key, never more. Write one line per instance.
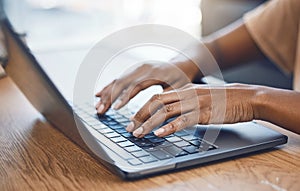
(138, 132)
(130, 127)
(100, 108)
(159, 132)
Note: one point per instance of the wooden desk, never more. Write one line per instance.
(35, 156)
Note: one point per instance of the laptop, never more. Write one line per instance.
(105, 138)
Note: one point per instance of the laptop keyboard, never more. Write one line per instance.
(148, 149)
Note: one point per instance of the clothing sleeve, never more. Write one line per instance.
(274, 28)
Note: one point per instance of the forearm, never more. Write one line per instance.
(233, 45)
(281, 107)
(230, 46)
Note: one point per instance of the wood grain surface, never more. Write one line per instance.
(35, 156)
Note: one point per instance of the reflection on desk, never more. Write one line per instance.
(35, 156)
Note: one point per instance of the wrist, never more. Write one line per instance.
(261, 102)
(189, 68)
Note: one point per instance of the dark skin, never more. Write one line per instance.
(192, 103)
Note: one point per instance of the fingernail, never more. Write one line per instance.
(159, 132)
(130, 127)
(100, 108)
(138, 132)
(118, 104)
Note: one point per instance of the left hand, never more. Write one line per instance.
(191, 105)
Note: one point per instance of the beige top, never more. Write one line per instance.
(275, 27)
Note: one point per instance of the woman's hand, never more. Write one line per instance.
(192, 104)
(169, 76)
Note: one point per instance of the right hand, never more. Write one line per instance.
(169, 76)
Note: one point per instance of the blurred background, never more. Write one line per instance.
(52, 24)
(60, 32)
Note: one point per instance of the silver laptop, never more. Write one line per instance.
(105, 137)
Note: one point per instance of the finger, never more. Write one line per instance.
(155, 103)
(109, 94)
(178, 124)
(105, 89)
(166, 112)
(159, 100)
(133, 90)
(101, 103)
(153, 121)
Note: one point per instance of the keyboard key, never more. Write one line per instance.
(118, 139)
(111, 123)
(115, 115)
(181, 133)
(105, 130)
(122, 120)
(92, 121)
(197, 142)
(125, 112)
(125, 144)
(175, 151)
(172, 135)
(164, 144)
(191, 149)
(125, 124)
(116, 126)
(151, 149)
(156, 140)
(148, 159)
(132, 148)
(149, 136)
(143, 143)
(127, 134)
(173, 139)
(161, 154)
(135, 162)
(110, 112)
(99, 126)
(182, 144)
(122, 130)
(133, 139)
(189, 138)
(112, 134)
(122, 153)
(139, 154)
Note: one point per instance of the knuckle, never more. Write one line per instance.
(172, 128)
(167, 110)
(183, 120)
(116, 83)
